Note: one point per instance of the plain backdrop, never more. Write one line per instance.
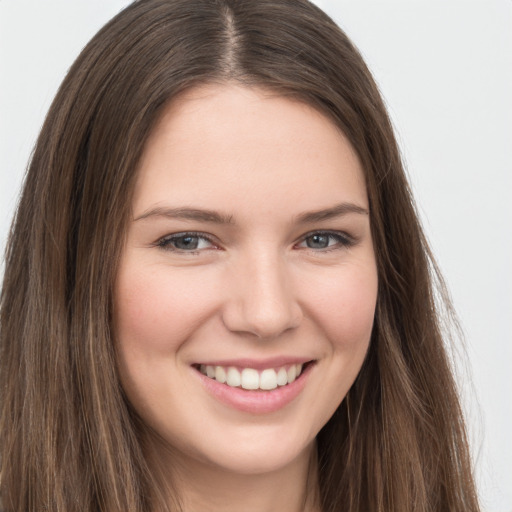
(445, 70)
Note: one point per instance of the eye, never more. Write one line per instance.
(185, 242)
(326, 240)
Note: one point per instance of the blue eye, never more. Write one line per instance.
(185, 242)
(326, 240)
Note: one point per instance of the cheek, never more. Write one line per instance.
(156, 312)
(156, 309)
(344, 307)
(341, 305)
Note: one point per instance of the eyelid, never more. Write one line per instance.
(165, 242)
(344, 240)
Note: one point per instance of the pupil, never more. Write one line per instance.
(318, 241)
(187, 242)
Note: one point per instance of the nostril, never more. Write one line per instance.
(260, 299)
(262, 323)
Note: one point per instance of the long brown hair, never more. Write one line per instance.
(68, 439)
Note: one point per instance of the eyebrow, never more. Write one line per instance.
(212, 216)
(332, 212)
(196, 214)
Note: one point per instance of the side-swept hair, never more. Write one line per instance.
(69, 441)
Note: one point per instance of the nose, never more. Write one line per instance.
(262, 301)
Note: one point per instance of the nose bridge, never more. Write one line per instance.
(263, 301)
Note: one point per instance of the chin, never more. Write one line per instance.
(258, 450)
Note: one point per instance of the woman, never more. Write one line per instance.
(217, 293)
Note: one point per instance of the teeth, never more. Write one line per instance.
(234, 378)
(250, 378)
(268, 379)
(220, 374)
(292, 373)
(282, 377)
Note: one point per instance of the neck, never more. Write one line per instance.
(201, 486)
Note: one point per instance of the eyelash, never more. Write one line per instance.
(166, 242)
(342, 241)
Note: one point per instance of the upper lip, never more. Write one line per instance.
(257, 364)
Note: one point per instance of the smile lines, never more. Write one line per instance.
(252, 379)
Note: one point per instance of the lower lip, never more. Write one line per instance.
(256, 402)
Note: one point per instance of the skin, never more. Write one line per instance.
(260, 285)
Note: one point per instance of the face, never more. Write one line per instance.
(246, 290)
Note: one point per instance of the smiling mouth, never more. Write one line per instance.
(251, 379)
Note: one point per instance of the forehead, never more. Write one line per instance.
(226, 141)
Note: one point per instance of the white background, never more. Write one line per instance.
(445, 70)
